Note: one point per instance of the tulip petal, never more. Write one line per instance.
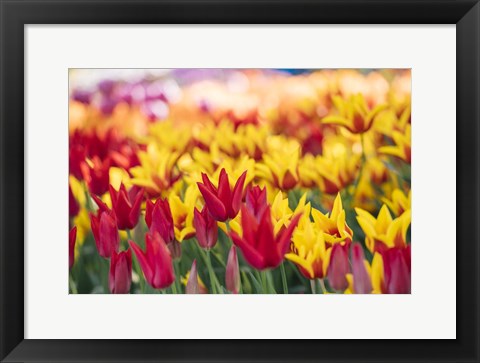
(249, 227)
(224, 192)
(215, 205)
(149, 206)
(362, 283)
(286, 236)
(237, 194)
(254, 258)
(266, 243)
(101, 205)
(143, 261)
(208, 184)
(135, 210)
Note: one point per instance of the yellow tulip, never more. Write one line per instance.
(353, 113)
(383, 231)
(333, 225)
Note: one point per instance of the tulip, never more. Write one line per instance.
(308, 250)
(192, 282)
(260, 246)
(279, 166)
(353, 114)
(396, 262)
(403, 145)
(362, 283)
(156, 261)
(206, 228)
(105, 233)
(338, 267)
(256, 201)
(158, 217)
(96, 174)
(334, 224)
(120, 275)
(222, 202)
(194, 285)
(384, 232)
(72, 238)
(232, 273)
(126, 206)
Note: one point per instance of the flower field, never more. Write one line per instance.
(211, 181)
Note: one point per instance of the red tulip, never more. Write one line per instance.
(256, 201)
(120, 275)
(126, 206)
(156, 262)
(158, 217)
(396, 264)
(104, 229)
(259, 245)
(96, 175)
(206, 228)
(232, 273)
(222, 202)
(362, 283)
(338, 267)
(72, 238)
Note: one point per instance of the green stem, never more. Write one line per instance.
(312, 286)
(105, 273)
(211, 273)
(174, 287)
(88, 200)
(263, 275)
(136, 267)
(322, 286)
(284, 278)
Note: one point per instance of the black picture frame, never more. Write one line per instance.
(16, 14)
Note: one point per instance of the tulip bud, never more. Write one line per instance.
(192, 283)
(104, 229)
(206, 228)
(338, 267)
(158, 218)
(72, 238)
(362, 283)
(232, 274)
(120, 275)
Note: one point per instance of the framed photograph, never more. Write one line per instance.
(240, 181)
